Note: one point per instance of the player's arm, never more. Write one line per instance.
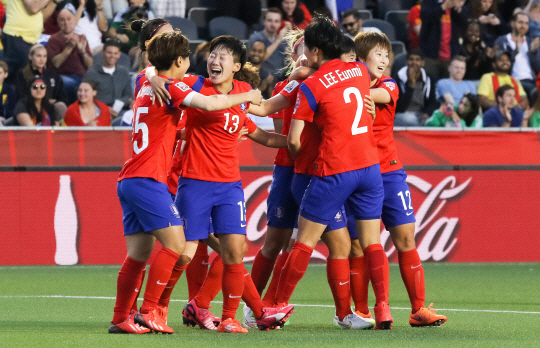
(268, 139)
(301, 73)
(159, 91)
(293, 139)
(380, 95)
(269, 106)
(221, 101)
(278, 125)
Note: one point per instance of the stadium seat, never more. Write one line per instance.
(228, 26)
(399, 62)
(398, 47)
(193, 45)
(388, 5)
(200, 3)
(123, 60)
(399, 20)
(188, 27)
(365, 14)
(360, 4)
(201, 16)
(383, 26)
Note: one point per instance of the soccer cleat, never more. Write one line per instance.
(162, 312)
(353, 322)
(366, 317)
(194, 315)
(274, 317)
(249, 321)
(153, 321)
(383, 317)
(128, 326)
(426, 317)
(231, 326)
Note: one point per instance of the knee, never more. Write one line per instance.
(232, 256)
(403, 239)
(356, 249)
(183, 260)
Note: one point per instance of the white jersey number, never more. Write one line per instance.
(242, 213)
(408, 194)
(234, 119)
(347, 96)
(140, 126)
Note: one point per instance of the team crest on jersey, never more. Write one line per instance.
(243, 106)
(390, 85)
(174, 210)
(291, 85)
(183, 87)
(338, 217)
(279, 212)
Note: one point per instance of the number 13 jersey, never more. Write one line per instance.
(211, 151)
(333, 98)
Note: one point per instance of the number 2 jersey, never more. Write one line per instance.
(333, 98)
(154, 132)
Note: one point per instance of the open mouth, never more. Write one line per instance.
(380, 68)
(214, 72)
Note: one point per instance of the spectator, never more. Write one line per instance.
(415, 24)
(524, 52)
(201, 59)
(478, 57)
(256, 55)
(490, 83)
(442, 25)
(352, 23)
(37, 60)
(295, 13)
(8, 96)
(464, 115)
(275, 44)
(113, 81)
(92, 23)
(34, 109)
(169, 8)
(504, 114)
(417, 92)
(452, 90)
(23, 26)
(533, 10)
(533, 114)
(87, 111)
(120, 27)
(70, 54)
(485, 11)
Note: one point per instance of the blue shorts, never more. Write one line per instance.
(327, 194)
(282, 208)
(210, 227)
(299, 184)
(200, 200)
(146, 205)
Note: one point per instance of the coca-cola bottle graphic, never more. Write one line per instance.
(65, 225)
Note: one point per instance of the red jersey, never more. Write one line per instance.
(383, 127)
(284, 157)
(139, 81)
(211, 150)
(176, 165)
(333, 97)
(154, 133)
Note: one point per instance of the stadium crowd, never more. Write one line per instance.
(451, 59)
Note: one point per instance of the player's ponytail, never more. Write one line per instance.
(147, 29)
(295, 40)
(249, 74)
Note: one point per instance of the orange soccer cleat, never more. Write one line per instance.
(128, 326)
(383, 317)
(231, 326)
(162, 312)
(426, 317)
(153, 321)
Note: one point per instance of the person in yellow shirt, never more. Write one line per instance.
(489, 83)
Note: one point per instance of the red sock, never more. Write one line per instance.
(233, 287)
(337, 272)
(134, 306)
(293, 271)
(158, 277)
(412, 274)
(250, 295)
(129, 279)
(175, 276)
(197, 270)
(270, 295)
(261, 271)
(212, 284)
(359, 284)
(378, 273)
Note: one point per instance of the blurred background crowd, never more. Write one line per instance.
(458, 63)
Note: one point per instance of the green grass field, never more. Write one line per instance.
(488, 305)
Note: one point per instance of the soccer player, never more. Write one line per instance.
(148, 210)
(347, 165)
(373, 48)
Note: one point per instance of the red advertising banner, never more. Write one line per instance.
(52, 217)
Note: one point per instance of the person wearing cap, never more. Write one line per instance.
(490, 83)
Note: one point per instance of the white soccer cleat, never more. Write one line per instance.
(353, 322)
(249, 321)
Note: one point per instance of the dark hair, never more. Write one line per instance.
(323, 34)
(236, 47)
(273, 10)
(324, 11)
(253, 44)
(165, 48)
(93, 83)
(365, 41)
(249, 74)
(112, 42)
(30, 105)
(476, 8)
(146, 29)
(297, 15)
(501, 90)
(348, 45)
(415, 52)
(351, 12)
(518, 13)
(90, 7)
(473, 112)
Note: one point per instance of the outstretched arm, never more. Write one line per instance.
(268, 139)
(221, 101)
(293, 140)
(269, 106)
(380, 96)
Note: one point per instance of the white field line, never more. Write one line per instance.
(296, 305)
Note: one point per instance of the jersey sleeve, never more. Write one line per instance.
(181, 94)
(391, 87)
(290, 91)
(250, 125)
(306, 104)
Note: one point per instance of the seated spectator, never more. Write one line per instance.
(256, 55)
(92, 23)
(37, 61)
(121, 25)
(113, 81)
(34, 109)
(87, 111)
(8, 96)
(352, 23)
(477, 55)
(417, 92)
(485, 11)
(169, 8)
(451, 90)
(69, 54)
(505, 114)
(415, 24)
(464, 115)
(533, 10)
(490, 83)
(295, 13)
